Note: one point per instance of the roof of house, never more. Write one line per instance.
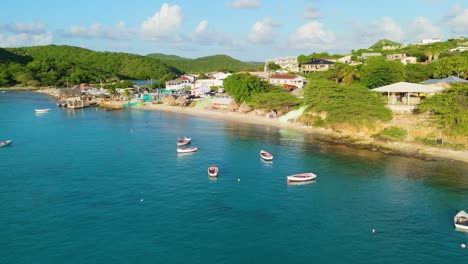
(450, 79)
(283, 76)
(406, 87)
(319, 62)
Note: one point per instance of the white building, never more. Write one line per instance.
(461, 49)
(430, 41)
(203, 86)
(286, 63)
(287, 80)
(178, 84)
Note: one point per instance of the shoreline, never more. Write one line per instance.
(406, 149)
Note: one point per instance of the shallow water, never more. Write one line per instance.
(78, 187)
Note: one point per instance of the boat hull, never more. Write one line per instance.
(213, 171)
(266, 156)
(42, 110)
(183, 142)
(186, 150)
(463, 228)
(5, 143)
(302, 177)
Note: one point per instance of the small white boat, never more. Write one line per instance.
(186, 150)
(265, 155)
(5, 143)
(213, 171)
(44, 110)
(183, 141)
(461, 221)
(301, 177)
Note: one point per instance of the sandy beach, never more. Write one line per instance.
(408, 149)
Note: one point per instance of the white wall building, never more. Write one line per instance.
(178, 84)
(286, 63)
(288, 79)
(430, 41)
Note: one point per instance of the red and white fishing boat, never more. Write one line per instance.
(183, 141)
(5, 143)
(301, 177)
(213, 171)
(186, 150)
(265, 155)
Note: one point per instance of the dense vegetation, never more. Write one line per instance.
(64, 65)
(353, 105)
(206, 64)
(384, 42)
(242, 86)
(450, 109)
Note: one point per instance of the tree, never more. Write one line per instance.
(379, 72)
(303, 59)
(450, 108)
(418, 72)
(112, 91)
(348, 74)
(357, 106)
(273, 66)
(276, 100)
(453, 65)
(242, 86)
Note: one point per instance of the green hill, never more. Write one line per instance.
(205, 64)
(384, 42)
(59, 65)
(164, 57)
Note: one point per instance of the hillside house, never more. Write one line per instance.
(316, 65)
(366, 55)
(409, 60)
(405, 96)
(178, 84)
(395, 56)
(286, 63)
(288, 81)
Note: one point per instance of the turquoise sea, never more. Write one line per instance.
(77, 186)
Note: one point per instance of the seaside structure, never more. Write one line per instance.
(179, 83)
(75, 102)
(224, 104)
(289, 81)
(405, 96)
(316, 65)
(286, 63)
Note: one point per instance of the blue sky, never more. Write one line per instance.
(249, 30)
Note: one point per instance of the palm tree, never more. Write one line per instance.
(348, 74)
(112, 92)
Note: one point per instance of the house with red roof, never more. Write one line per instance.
(179, 83)
(288, 81)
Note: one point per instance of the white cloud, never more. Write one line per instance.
(363, 36)
(312, 36)
(311, 12)
(202, 26)
(163, 23)
(458, 20)
(262, 31)
(31, 28)
(206, 36)
(421, 28)
(243, 4)
(99, 31)
(24, 39)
